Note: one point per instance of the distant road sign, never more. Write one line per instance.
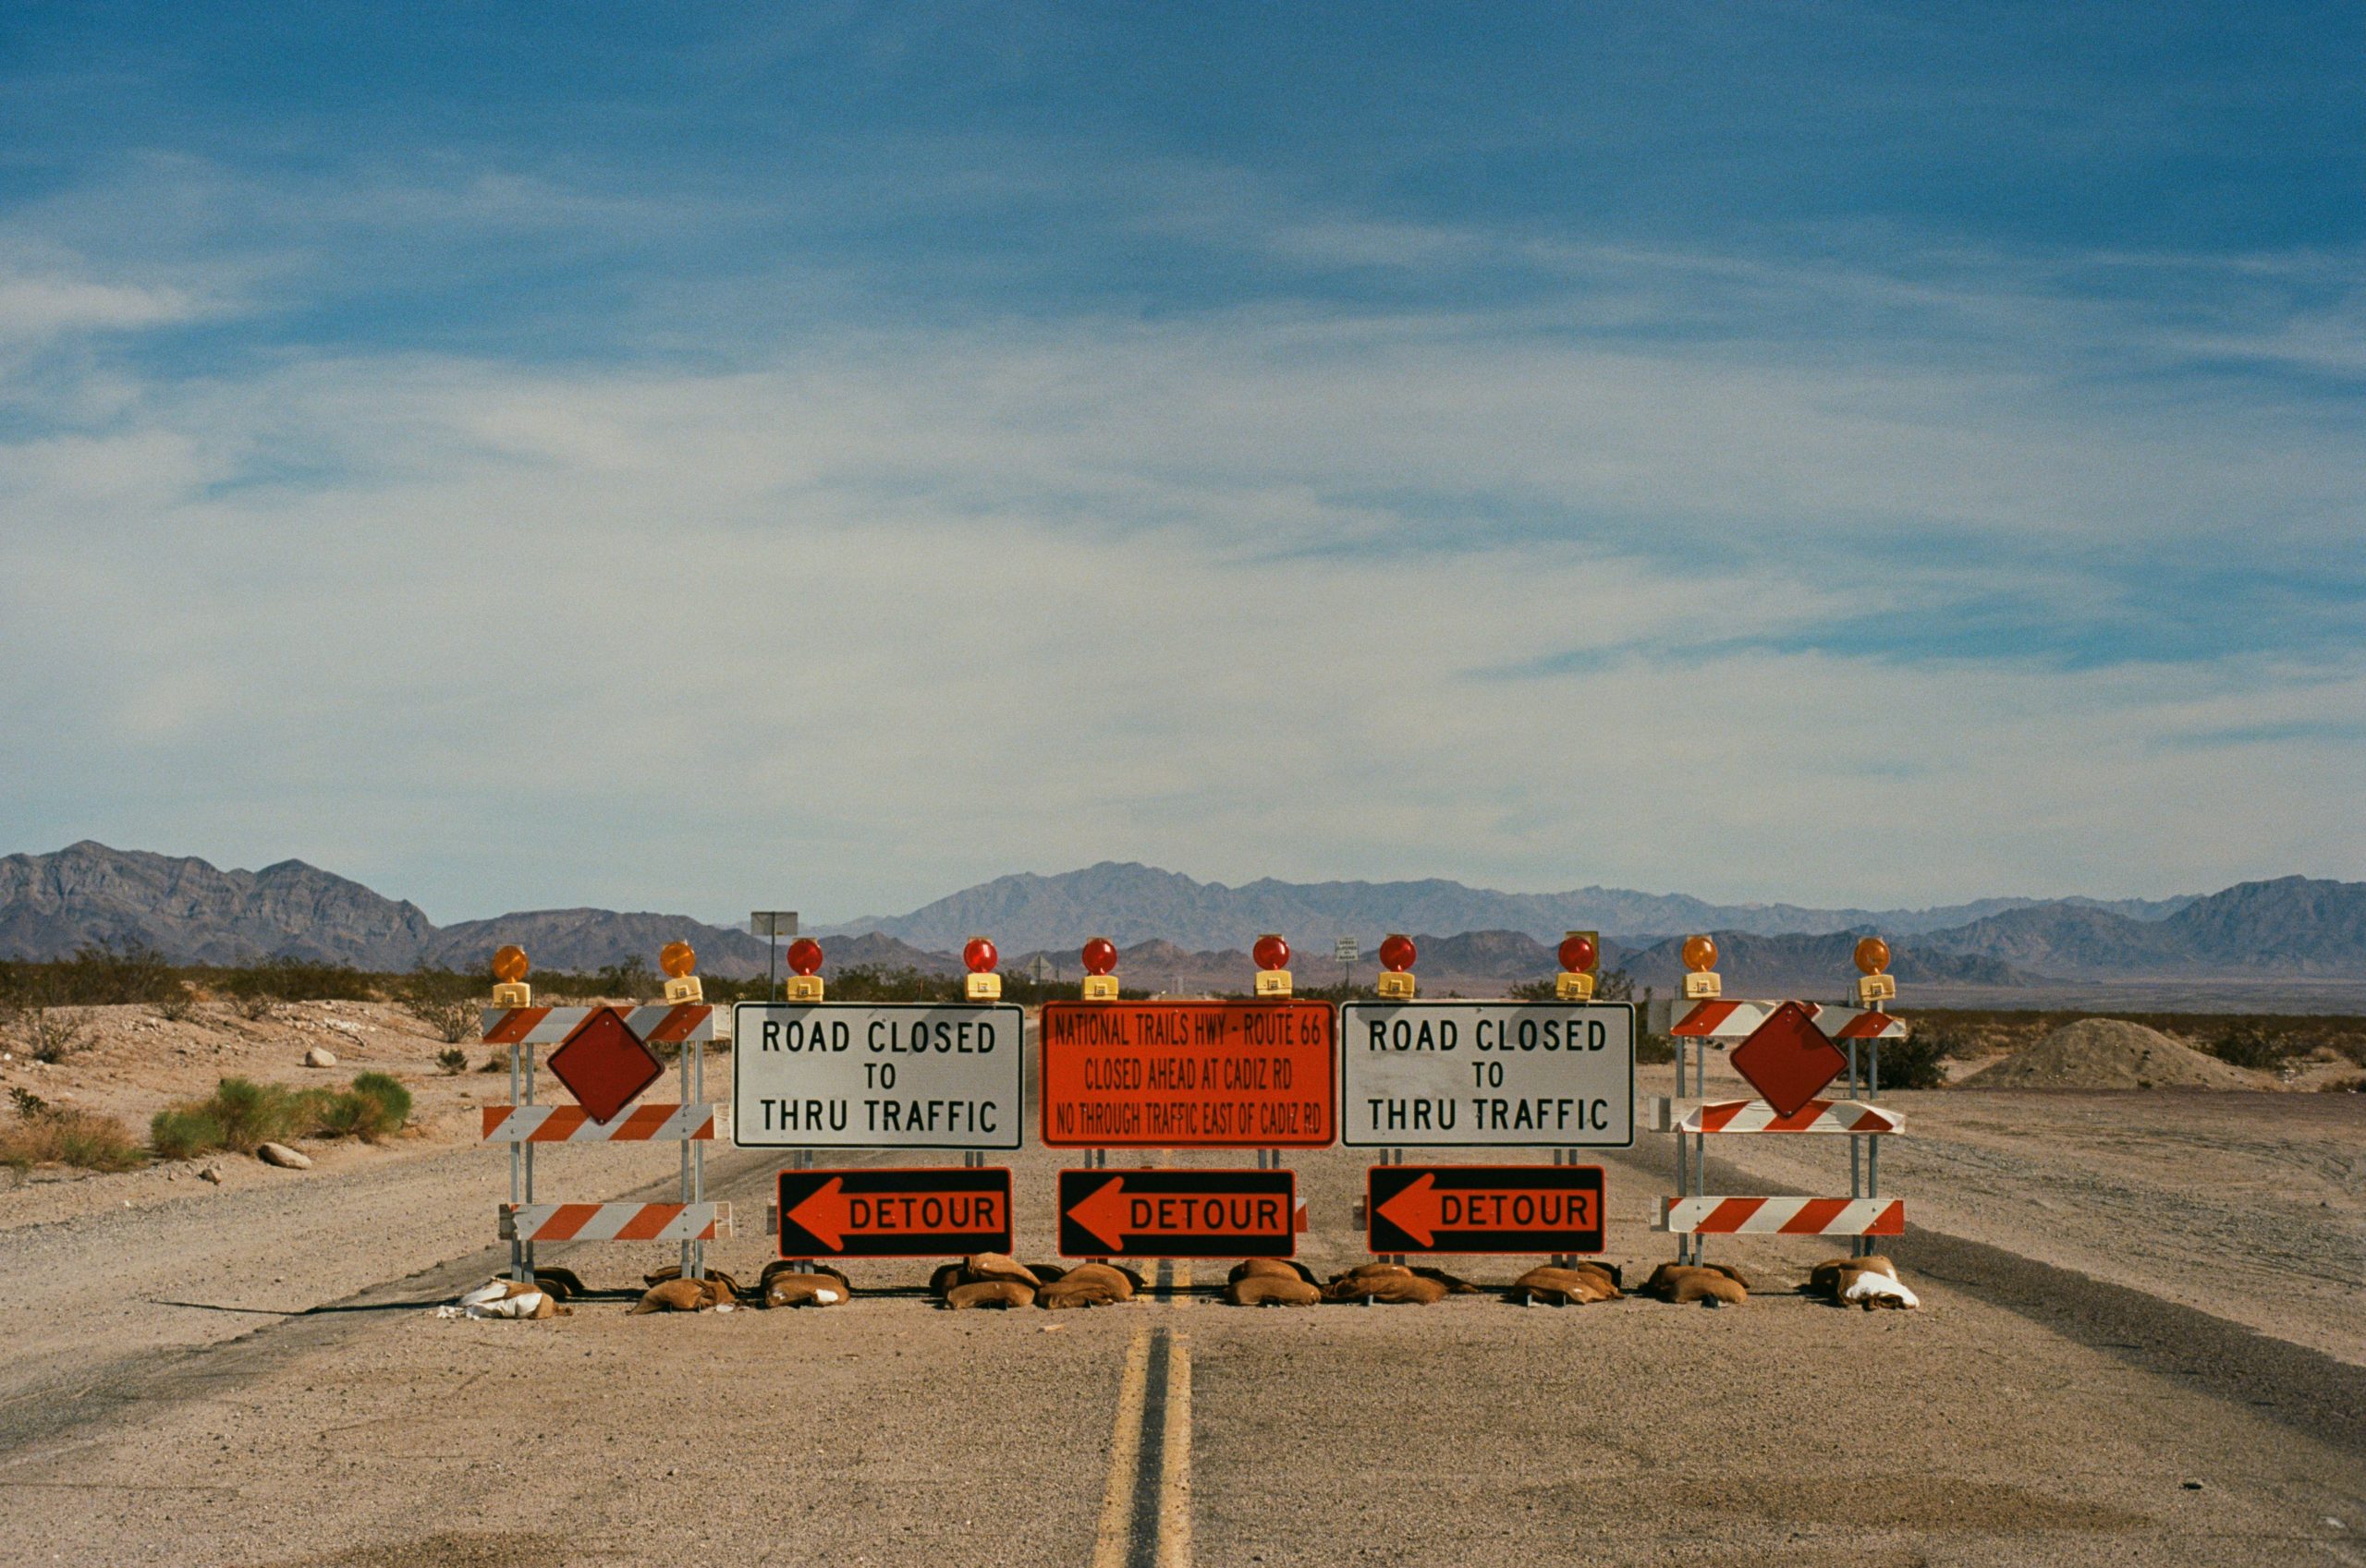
(1485, 1208)
(1167, 1075)
(1487, 1075)
(1108, 1213)
(777, 924)
(883, 1075)
(1346, 952)
(878, 1213)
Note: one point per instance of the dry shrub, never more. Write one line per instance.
(44, 1133)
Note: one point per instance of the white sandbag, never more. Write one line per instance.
(1869, 1285)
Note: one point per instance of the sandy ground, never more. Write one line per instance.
(2250, 1206)
(251, 1374)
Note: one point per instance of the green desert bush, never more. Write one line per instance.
(1917, 1062)
(184, 1133)
(2248, 1045)
(392, 1100)
(241, 1114)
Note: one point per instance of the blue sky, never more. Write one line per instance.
(701, 457)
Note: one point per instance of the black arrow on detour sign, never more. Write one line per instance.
(1178, 1213)
(888, 1213)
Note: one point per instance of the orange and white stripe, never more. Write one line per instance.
(1815, 1116)
(659, 1024)
(572, 1124)
(614, 1221)
(1736, 1020)
(1782, 1215)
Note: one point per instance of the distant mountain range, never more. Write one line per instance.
(1176, 933)
(1129, 902)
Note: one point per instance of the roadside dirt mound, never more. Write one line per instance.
(2109, 1053)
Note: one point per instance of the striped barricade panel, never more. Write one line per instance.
(1782, 1215)
(660, 1024)
(572, 1124)
(1815, 1116)
(1735, 1020)
(1720, 1020)
(614, 1221)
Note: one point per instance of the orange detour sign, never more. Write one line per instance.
(1107, 1213)
(1485, 1208)
(873, 1213)
(1171, 1075)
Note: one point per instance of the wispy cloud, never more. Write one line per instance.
(514, 526)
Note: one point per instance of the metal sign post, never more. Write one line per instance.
(774, 926)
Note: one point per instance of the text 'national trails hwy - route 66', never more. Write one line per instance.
(1163, 1074)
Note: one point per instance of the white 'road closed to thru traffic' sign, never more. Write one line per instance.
(885, 1074)
(1485, 1074)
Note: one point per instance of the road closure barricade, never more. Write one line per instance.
(1789, 1052)
(602, 1056)
(810, 1075)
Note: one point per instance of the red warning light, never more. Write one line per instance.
(1397, 953)
(1271, 952)
(1100, 955)
(979, 955)
(805, 956)
(1579, 954)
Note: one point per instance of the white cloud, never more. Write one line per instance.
(876, 617)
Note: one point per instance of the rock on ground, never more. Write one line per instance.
(279, 1154)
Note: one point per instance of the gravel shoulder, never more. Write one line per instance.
(2250, 1206)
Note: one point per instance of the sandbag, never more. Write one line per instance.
(1710, 1284)
(1271, 1289)
(1403, 1288)
(983, 1266)
(1869, 1282)
(1568, 1287)
(995, 1293)
(683, 1295)
(1271, 1269)
(790, 1288)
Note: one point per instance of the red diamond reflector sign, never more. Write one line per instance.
(604, 1065)
(1788, 1060)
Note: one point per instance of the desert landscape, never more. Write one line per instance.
(1307, 786)
(216, 1329)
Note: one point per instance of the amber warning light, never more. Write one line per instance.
(509, 989)
(678, 959)
(1700, 981)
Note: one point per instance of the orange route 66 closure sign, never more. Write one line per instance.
(1178, 1074)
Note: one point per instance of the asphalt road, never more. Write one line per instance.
(2027, 1414)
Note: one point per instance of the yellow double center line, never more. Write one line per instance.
(1146, 1511)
